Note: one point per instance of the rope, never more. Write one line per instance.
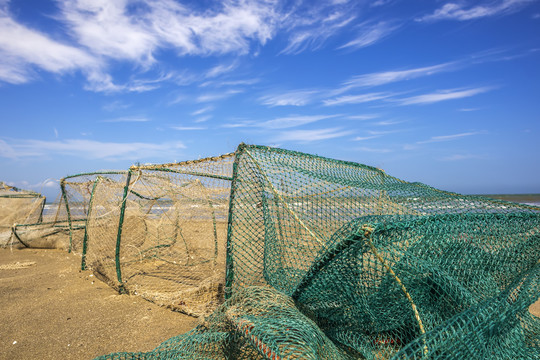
(315, 237)
(367, 235)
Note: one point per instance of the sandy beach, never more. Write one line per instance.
(51, 309)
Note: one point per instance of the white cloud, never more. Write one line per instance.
(116, 105)
(450, 137)
(292, 121)
(228, 29)
(312, 26)
(459, 157)
(370, 34)
(364, 138)
(127, 119)
(386, 77)
(380, 2)
(383, 132)
(7, 151)
(87, 149)
(202, 110)
(311, 135)
(292, 98)
(374, 150)
(187, 128)
(133, 31)
(22, 48)
(204, 118)
(238, 125)
(221, 69)
(388, 122)
(460, 12)
(443, 95)
(49, 183)
(363, 117)
(209, 97)
(240, 82)
(105, 28)
(356, 99)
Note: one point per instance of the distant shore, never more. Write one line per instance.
(531, 199)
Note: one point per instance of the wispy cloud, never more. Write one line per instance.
(450, 137)
(310, 27)
(384, 132)
(374, 150)
(311, 135)
(115, 30)
(204, 118)
(102, 30)
(221, 69)
(100, 81)
(88, 149)
(240, 124)
(364, 138)
(202, 110)
(370, 34)
(209, 97)
(380, 2)
(286, 122)
(443, 95)
(468, 109)
(47, 183)
(462, 12)
(356, 99)
(293, 121)
(363, 117)
(386, 77)
(188, 128)
(388, 122)
(127, 119)
(223, 83)
(459, 157)
(116, 105)
(22, 49)
(291, 98)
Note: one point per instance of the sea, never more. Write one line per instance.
(529, 199)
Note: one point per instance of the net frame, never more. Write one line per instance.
(18, 206)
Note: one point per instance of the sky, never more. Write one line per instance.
(441, 92)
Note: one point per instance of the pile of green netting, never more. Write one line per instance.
(329, 259)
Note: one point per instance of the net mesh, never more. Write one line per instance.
(291, 255)
(335, 260)
(62, 223)
(159, 231)
(17, 206)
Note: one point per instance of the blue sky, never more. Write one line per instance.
(441, 92)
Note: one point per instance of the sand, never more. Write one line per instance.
(50, 309)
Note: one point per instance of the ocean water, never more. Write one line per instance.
(529, 199)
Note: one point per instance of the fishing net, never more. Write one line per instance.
(159, 231)
(17, 206)
(329, 259)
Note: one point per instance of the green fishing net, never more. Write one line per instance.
(327, 259)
